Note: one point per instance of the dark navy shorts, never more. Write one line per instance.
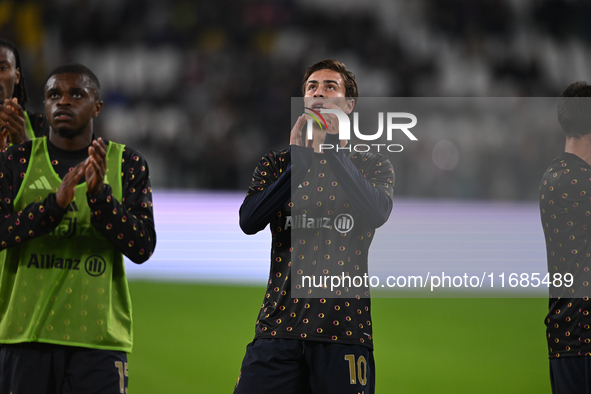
(570, 375)
(54, 369)
(291, 366)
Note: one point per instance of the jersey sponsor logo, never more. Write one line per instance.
(95, 265)
(343, 223)
(48, 261)
(301, 221)
(41, 184)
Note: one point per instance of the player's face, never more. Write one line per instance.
(9, 74)
(70, 104)
(326, 86)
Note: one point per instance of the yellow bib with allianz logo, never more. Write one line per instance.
(67, 287)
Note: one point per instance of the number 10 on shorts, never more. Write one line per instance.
(361, 372)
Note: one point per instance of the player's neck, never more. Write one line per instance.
(580, 147)
(74, 143)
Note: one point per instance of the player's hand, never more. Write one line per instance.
(67, 190)
(3, 136)
(333, 120)
(295, 138)
(96, 166)
(12, 118)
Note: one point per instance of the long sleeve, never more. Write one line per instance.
(36, 219)
(128, 224)
(270, 188)
(369, 189)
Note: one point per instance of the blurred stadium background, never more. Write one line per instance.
(203, 88)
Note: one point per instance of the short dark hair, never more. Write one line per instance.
(20, 89)
(574, 110)
(80, 69)
(334, 65)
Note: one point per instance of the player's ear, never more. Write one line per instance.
(350, 105)
(97, 108)
(18, 76)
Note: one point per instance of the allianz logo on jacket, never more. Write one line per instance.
(343, 222)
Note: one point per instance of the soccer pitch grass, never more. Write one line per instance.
(191, 337)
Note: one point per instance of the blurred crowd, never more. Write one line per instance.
(203, 88)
